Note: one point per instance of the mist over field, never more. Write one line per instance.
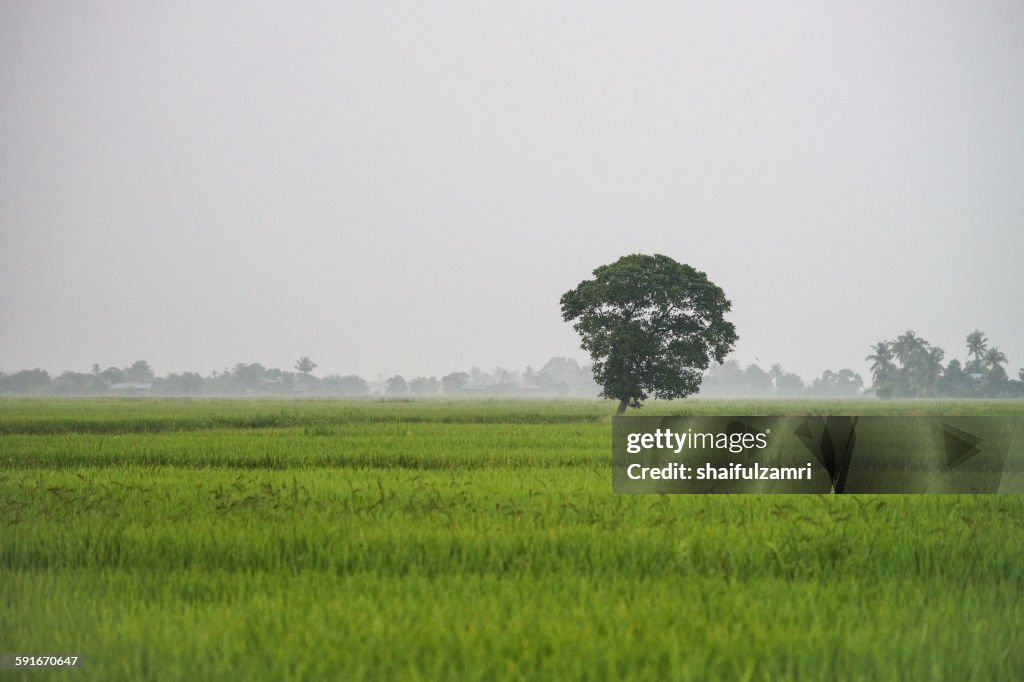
(388, 208)
(407, 189)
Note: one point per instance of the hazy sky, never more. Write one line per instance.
(409, 187)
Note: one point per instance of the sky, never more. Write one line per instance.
(409, 187)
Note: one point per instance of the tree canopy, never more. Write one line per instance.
(652, 326)
(910, 367)
(304, 365)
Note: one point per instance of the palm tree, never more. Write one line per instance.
(994, 357)
(976, 344)
(881, 361)
(908, 348)
(304, 365)
(994, 381)
(920, 365)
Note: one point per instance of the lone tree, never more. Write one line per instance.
(651, 325)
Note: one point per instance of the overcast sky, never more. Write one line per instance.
(409, 187)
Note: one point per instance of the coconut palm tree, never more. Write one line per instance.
(994, 357)
(976, 345)
(909, 348)
(881, 361)
(304, 365)
(993, 384)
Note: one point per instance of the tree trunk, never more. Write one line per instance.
(623, 404)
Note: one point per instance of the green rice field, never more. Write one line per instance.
(218, 539)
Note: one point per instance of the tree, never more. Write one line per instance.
(425, 386)
(849, 382)
(304, 365)
(756, 381)
(844, 383)
(789, 383)
(113, 375)
(29, 381)
(503, 381)
(994, 358)
(954, 382)
(723, 379)
(188, 383)
(139, 371)
(908, 348)
(79, 383)
(977, 344)
(249, 376)
(882, 366)
(995, 382)
(931, 370)
(191, 382)
(563, 376)
(652, 326)
(396, 385)
(349, 385)
(785, 382)
(452, 384)
(919, 370)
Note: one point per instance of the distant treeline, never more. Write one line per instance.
(908, 367)
(558, 377)
(731, 380)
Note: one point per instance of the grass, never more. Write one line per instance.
(309, 540)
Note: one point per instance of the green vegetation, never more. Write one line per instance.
(651, 325)
(310, 540)
(910, 367)
(558, 377)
